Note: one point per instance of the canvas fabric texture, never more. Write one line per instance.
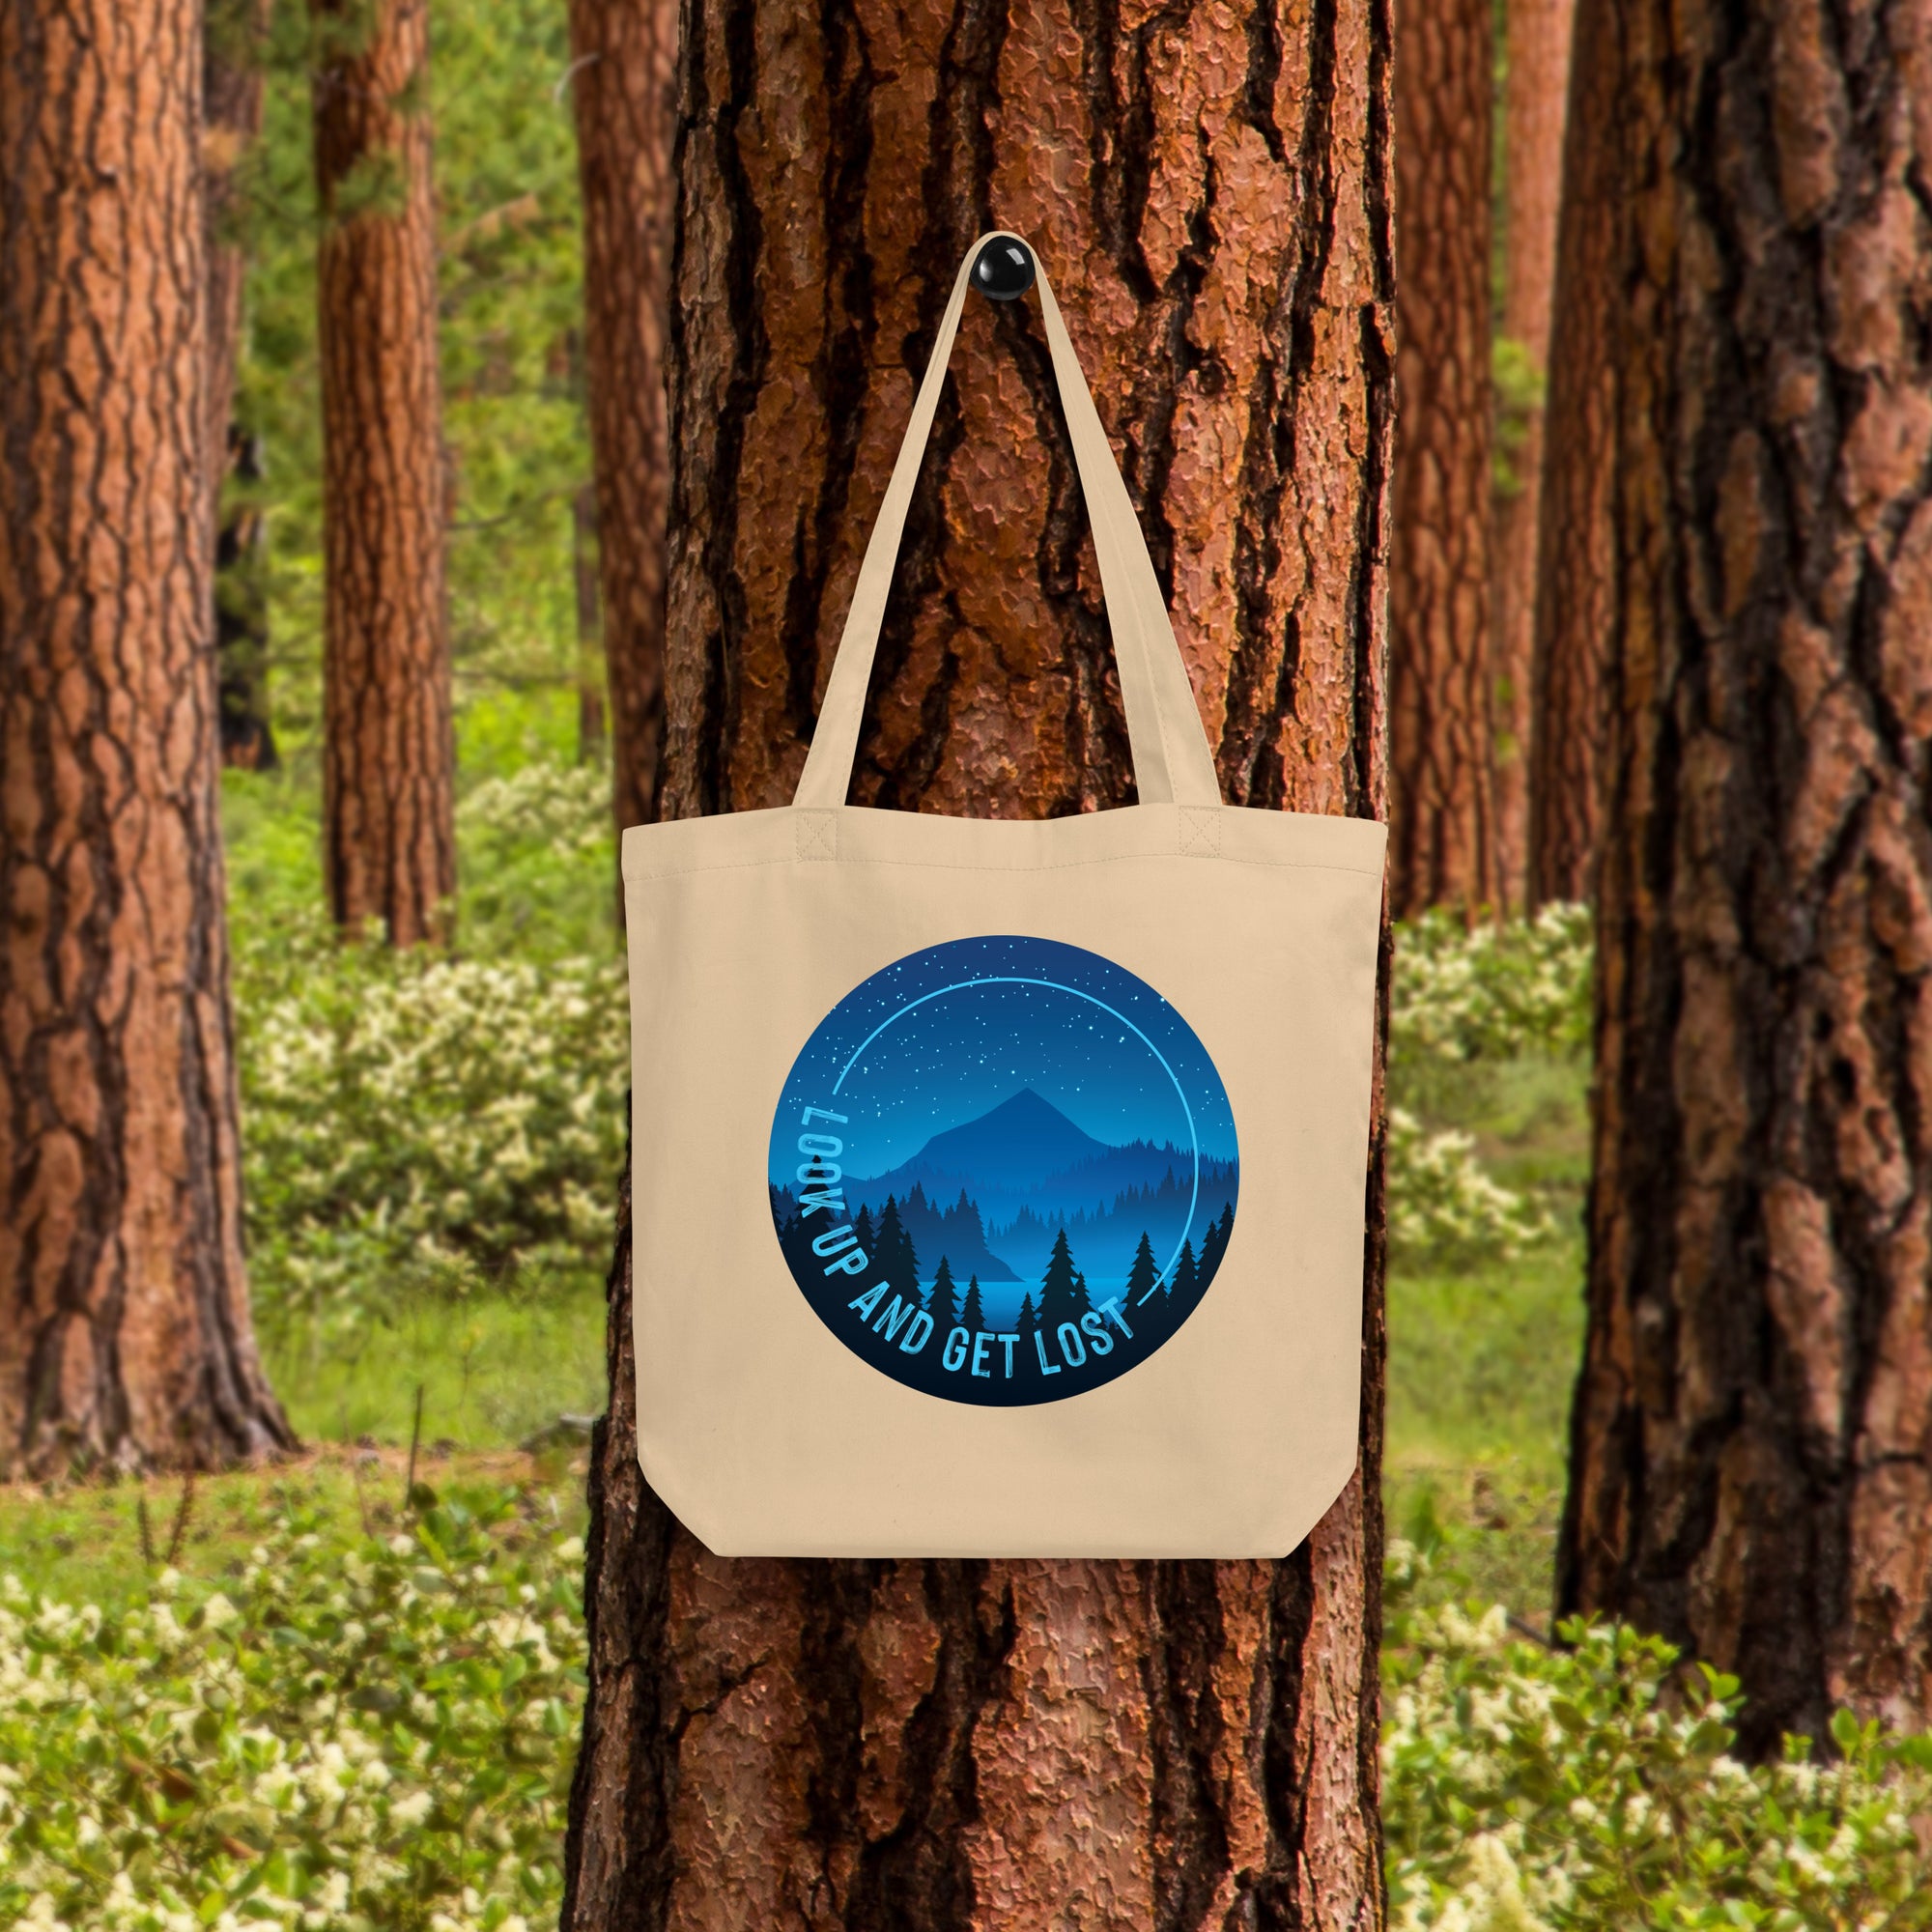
(997, 1187)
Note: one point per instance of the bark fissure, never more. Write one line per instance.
(841, 375)
(1187, 1734)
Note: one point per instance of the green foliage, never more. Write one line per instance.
(1465, 1004)
(1442, 1203)
(539, 864)
(354, 1732)
(1590, 1787)
(1492, 992)
(1482, 1359)
(1517, 383)
(417, 1123)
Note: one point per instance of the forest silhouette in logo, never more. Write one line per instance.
(1004, 1170)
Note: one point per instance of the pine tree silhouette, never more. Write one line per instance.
(1144, 1273)
(862, 1225)
(944, 1307)
(973, 1312)
(1186, 1279)
(896, 1258)
(1063, 1295)
(1214, 1244)
(1029, 1323)
(1081, 1298)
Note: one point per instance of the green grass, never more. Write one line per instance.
(495, 1374)
(83, 1541)
(494, 1371)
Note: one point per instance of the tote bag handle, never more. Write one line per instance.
(1172, 763)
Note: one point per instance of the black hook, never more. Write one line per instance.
(1005, 270)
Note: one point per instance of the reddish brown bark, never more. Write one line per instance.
(389, 799)
(1538, 47)
(962, 1745)
(1576, 555)
(623, 74)
(125, 1336)
(1442, 829)
(1751, 1473)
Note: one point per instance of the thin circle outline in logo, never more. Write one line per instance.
(872, 1253)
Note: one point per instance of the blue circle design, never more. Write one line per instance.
(1003, 1170)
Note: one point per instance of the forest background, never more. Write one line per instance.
(343, 1686)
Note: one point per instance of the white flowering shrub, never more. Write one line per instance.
(561, 810)
(416, 1121)
(1464, 1000)
(1442, 1203)
(1493, 991)
(345, 1737)
(1591, 1789)
(538, 862)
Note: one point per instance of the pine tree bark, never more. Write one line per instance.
(623, 61)
(1534, 96)
(1443, 824)
(389, 793)
(1575, 541)
(1009, 1745)
(1750, 1471)
(124, 1334)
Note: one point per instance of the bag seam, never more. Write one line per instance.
(1007, 866)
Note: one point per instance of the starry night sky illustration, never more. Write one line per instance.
(959, 1053)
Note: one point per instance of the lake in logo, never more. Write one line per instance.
(1004, 1170)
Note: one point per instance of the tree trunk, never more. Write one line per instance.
(388, 806)
(1751, 1470)
(623, 61)
(1442, 829)
(1575, 546)
(1009, 1745)
(1538, 35)
(125, 1336)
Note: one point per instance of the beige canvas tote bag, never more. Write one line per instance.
(998, 1186)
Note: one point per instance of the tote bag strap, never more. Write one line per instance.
(1172, 763)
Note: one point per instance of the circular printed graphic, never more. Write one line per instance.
(1003, 1170)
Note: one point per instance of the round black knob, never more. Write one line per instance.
(1005, 269)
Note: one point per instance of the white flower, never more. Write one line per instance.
(411, 1811)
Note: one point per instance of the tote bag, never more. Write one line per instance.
(998, 1186)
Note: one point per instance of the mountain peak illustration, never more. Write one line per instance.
(1022, 1140)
